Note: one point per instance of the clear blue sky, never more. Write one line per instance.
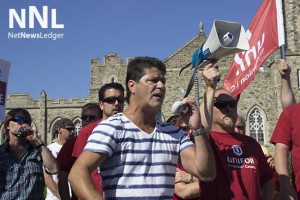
(95, 28)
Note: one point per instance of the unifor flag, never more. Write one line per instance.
(4, 71)
(265, 34)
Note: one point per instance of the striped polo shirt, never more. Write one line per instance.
(139, 165)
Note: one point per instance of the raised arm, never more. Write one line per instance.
(210, 75)
(201, 161)
(286, 93)
(49, 161)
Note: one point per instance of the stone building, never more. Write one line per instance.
(260, 101)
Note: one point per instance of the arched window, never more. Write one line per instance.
(54, 132)
(77, 125)
(257, 125)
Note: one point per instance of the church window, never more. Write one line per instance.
(257, 125)
(78, 125)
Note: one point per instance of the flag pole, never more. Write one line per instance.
(281, 26)
(283, 51)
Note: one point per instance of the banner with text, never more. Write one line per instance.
(265, 34)
(4, 72)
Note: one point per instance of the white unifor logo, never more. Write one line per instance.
(237, 150)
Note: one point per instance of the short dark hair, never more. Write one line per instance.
(107, 86)
(137, 68)
(13, 113)
(94, 106)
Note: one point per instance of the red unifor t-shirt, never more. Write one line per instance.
(79, 146)
(287, 131)
(242, 168)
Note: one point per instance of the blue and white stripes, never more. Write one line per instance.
(139, 165)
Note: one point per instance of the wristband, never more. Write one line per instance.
(197, 132)
(40, 145)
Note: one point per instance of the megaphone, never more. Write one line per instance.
(225, 38)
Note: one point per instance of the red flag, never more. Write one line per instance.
(265, 34)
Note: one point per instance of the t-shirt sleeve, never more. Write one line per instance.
(185, 141)
(283, 130)
(103, 139)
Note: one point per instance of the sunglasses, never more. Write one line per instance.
(224, 104)
(112, 100)
(88, 117)
(18, 119)
(69, 128)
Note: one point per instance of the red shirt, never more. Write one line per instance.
(287, 132)
(242, 168)
(80, 143)
(65, 159)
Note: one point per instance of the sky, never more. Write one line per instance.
(95, 28)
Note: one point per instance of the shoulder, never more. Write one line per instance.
(52, 145)
(118, 118)
(168, 128)
(89, 128)
(115, 121)
(3, 146)
(252, 143)
(294, 108)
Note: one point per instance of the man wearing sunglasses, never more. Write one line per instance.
(242, 168)
(22, 158)
(111, 101)
(137, 154)
(90, 112)
(65, 130)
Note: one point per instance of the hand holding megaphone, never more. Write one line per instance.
(211, 75)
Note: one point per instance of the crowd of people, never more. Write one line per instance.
(202, 153)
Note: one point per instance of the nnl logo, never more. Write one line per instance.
(33, 14)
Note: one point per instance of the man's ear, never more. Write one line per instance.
(131, 85)
(101, 105)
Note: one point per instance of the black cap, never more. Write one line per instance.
(64, 122)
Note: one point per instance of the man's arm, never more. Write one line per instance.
(186, 186)
(51, 184)
(286, 93)
(80, 175)
(281, 166)
(200, 161)
(49, 161)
